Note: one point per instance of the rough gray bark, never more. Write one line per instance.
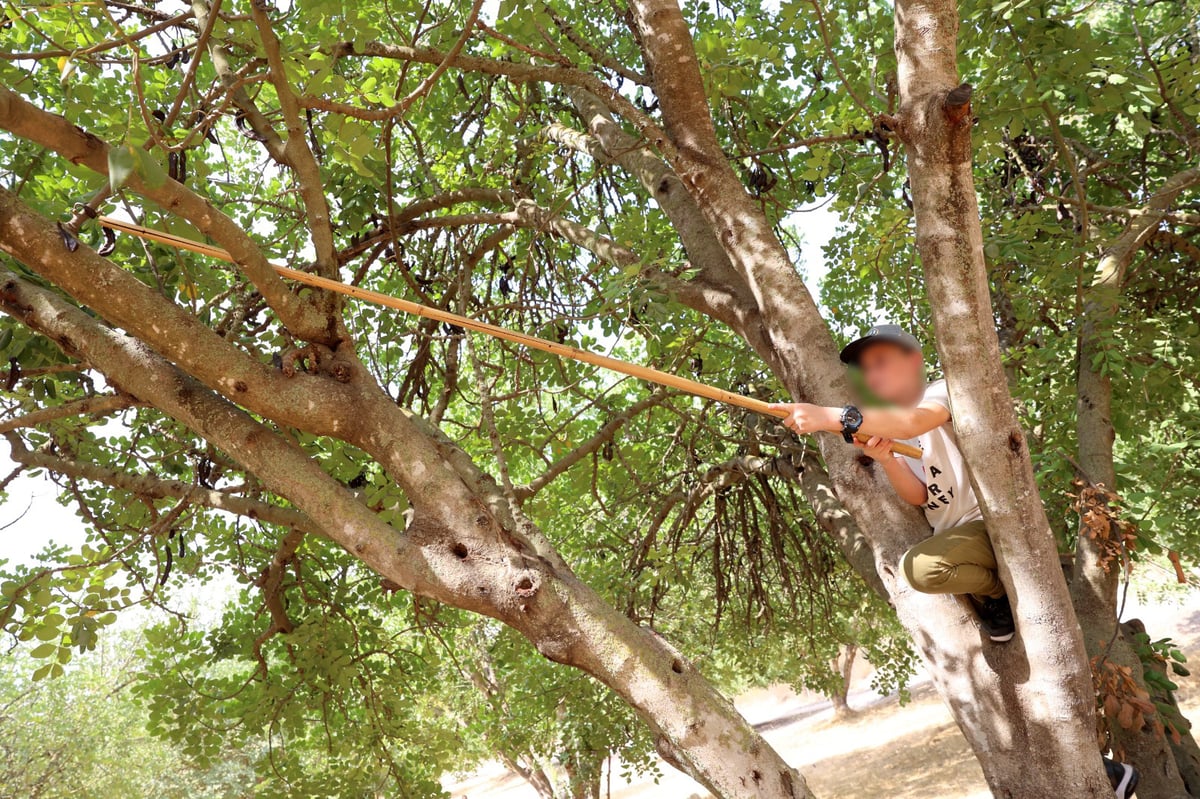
(1043, 674)
(717, 292)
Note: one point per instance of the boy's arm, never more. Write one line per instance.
(805, 418)
(908, 486)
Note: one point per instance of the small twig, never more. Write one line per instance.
(451, 54)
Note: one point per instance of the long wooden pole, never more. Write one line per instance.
(554, 348)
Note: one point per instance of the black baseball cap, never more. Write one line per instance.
(893, 334)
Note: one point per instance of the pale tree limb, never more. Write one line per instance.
(100, 405)
(298, 155)
(151, 487)
(311, 402)
(456, 549)
(1053, 718)
(718, 290)
(223, 64)
(283, 467)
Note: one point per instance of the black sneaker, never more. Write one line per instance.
(995, 617)
(1124, 778)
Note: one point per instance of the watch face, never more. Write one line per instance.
(852, 416)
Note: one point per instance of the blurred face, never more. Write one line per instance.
(893, 373)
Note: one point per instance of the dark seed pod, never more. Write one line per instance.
(14, 374)
(166, 572)
(239, 119)
(110, 243)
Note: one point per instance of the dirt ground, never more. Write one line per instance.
(884, 749)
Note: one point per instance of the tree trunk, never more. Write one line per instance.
(843, 664)
(1184, 753)
(1021, 706)
(1095, 581)
(1049, 746)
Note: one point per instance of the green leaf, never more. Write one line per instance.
(47, 632)
(122, 161)
(151, 171)
(43, 651)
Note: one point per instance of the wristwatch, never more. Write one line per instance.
(852, 419)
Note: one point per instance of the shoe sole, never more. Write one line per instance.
(1000, 639)
(1129, 782)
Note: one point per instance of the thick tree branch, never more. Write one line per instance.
(52, 131)
(311, 402)
(718, 290)
(283, 467)
(1049, 650)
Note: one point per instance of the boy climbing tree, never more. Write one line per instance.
(958, 558)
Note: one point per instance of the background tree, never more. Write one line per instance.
(81, 736)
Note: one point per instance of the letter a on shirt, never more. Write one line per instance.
(950, 500)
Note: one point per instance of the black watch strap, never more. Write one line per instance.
(852, 419)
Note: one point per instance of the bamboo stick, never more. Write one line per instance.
(554, 348)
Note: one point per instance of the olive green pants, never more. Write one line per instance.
(955, 561)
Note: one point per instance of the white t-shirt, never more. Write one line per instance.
(951, 500)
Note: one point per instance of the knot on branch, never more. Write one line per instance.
(957, 104)
(315, 359)
(526, 586)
